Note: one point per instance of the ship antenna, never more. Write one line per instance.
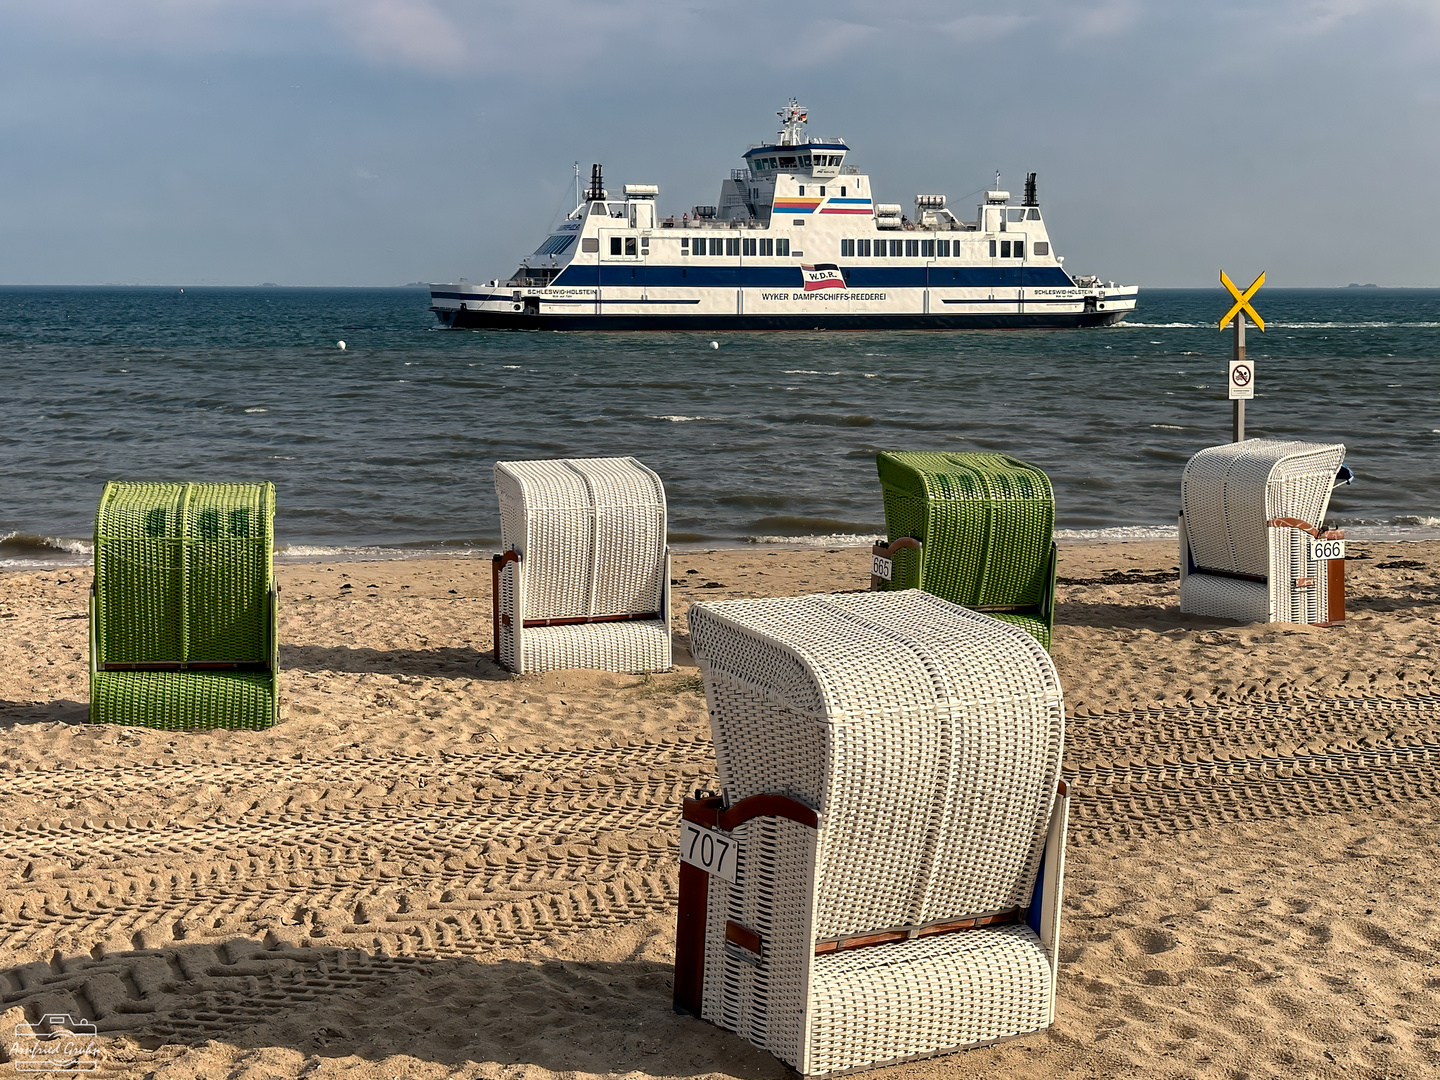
(997, 179)
(577, 185)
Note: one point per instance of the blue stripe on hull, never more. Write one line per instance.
(505, 320)
(789, 277)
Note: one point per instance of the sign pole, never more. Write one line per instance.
(1237, 410)
(1242, 373)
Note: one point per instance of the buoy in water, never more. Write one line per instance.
(714, 344)
(340, 345)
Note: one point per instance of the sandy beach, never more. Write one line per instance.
(433, 868)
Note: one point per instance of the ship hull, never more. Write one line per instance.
(509, 320)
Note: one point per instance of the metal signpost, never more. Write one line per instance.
(1242, 372)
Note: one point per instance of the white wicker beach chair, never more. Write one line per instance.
(1249, 514)
(584, 577)
(895, 822)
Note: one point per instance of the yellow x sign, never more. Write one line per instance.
(1242, 300)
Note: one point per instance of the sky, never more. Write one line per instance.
(380, 142)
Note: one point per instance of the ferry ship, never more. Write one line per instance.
(797, 241)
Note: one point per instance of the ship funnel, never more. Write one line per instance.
(597, 184)
(1030, 191)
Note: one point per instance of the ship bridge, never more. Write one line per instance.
(819, 157)
(794, 152)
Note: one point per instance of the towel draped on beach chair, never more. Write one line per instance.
(1250, 513)
(976, 529)
(584, 577)
(889, 767)
(183, 612)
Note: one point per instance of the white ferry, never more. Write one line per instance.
(797, 242)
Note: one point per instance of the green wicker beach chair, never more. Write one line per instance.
(183, 628)
(975, 529)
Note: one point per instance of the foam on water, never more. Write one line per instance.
(19, 551)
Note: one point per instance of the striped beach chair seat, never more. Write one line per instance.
(583, 580)
(1250, 513)
(183, 608)
(976, 529)
(879, 877)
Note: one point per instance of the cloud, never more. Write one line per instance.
(410, 32)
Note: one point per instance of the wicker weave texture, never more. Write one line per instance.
(183, 572)
(184, 578)
(1228, 493)
(592, 531)
(929, 739)
(986, 523)
(919, 998)
(184, 700)
(1225, 598)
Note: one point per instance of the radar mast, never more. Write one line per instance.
(792, 120)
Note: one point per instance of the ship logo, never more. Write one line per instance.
(822, 276)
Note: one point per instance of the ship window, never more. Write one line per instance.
(732, 245)
(896, 247)
(614, 245)
(748, 246)
(787, 162)
(912, 249)
(842, 191)
(590, 243)
(992, 249)
(644, 245)
(684, 245)
(802, 189)
(1019, 249)
(1004, 249)
(1034, 214)
(767, 246)
(629, 245)
(927, 249)
(1014, 213)
(1042, 247)
(847, 249)
(864, 251)
(822, 191)
(782, 246)
(942, 248)
(717, 245)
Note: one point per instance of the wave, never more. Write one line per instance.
(818, 540)
(21, 551)
(1121, 533)
(450, 549)
(824, 419)
(683, 419)
(1366, 325)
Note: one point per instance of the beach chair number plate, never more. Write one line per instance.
(711, 851)
(882, 568)
(1325, 550)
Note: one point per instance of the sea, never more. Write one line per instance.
(384, 448)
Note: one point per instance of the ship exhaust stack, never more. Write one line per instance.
(597, 184)
(1030, 191)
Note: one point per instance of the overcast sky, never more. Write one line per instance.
(376, 142)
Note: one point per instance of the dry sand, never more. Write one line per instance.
(433, 868)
